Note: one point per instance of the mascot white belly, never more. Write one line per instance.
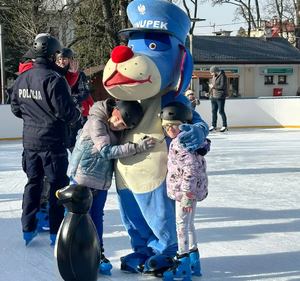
(140, 172)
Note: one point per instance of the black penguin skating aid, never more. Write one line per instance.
(77, 248)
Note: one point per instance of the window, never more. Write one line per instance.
(269, 80)
(282, 79)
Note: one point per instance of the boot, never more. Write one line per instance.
(158, 264)
(133, 262)
(195, 262)
(105, 266)
(223, 129)
(181, 269)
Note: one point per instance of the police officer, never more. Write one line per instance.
(41, 97)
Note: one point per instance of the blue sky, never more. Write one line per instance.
(220, 15)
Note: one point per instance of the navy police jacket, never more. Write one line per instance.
(41, 97)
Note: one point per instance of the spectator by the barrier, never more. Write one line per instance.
(190, 94)
(218, 94)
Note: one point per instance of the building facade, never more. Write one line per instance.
(254, 67)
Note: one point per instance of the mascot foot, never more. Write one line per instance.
(133, 263)
(158, 264)
(180, 271)
(105, 266)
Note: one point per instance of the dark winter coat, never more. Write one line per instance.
(80, 92)
(41, 97)
(219, 88)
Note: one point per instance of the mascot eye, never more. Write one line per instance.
(152, 46)
(157, 42)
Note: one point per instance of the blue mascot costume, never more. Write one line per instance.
(155, 68)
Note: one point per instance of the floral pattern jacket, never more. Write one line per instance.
(187, 178)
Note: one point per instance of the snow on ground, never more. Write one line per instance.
(248, 227)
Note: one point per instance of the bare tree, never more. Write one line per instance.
(246, 9)
(22, 22)
(283, 15)
(90, 27)
(191, 8)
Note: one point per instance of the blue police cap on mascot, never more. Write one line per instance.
(155, 67)
(158, 16)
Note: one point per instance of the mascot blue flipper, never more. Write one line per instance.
(154, 68)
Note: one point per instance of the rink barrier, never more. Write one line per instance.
(241, 113)
(10, 139)
(257, 112)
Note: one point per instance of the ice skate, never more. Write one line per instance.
(52, 239)
(43, 219)
(195, 262)
(105, 266)
(180, 271)
(28, 236)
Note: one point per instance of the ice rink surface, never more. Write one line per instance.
(248, 228)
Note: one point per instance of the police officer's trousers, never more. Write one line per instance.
(36, 165)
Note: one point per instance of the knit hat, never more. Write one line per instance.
(214, 69)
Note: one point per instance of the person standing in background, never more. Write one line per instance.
(42, 98)
(192, 98)
(218, 94)
(80, 91)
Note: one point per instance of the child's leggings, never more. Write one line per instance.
(186, 234)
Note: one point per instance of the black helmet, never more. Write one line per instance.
(66, 53)
(46, 46)
(177, 111)
(131, 112)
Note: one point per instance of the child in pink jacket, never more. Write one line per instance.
(186, 184)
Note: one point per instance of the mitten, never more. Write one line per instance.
(191, 136)
(144, 144)
(205, 148)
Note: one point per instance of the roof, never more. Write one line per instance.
(241, 50)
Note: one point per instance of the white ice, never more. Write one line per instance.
(248, 227)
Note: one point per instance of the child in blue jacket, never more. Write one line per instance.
(97, 145)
